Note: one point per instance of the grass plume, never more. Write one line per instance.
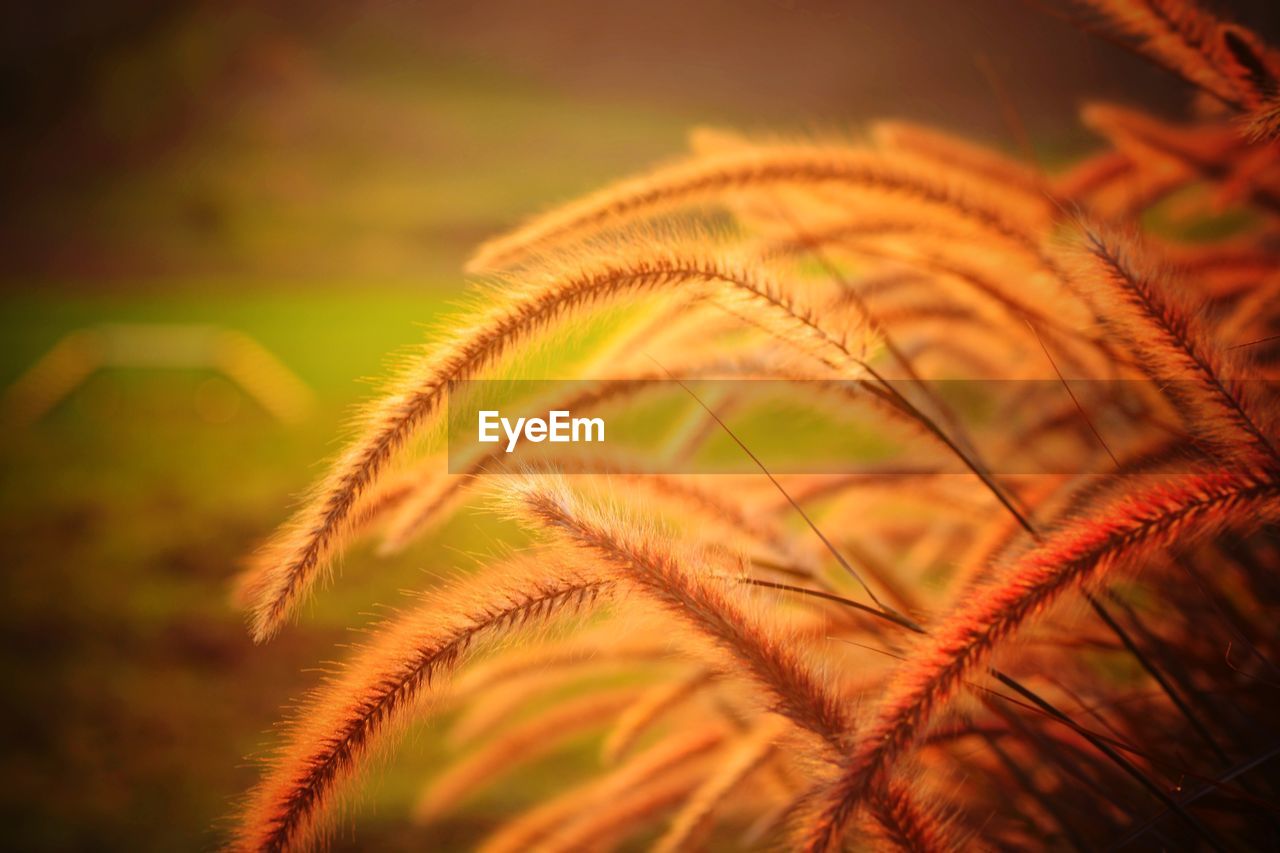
(338, 729)
(1105, 533)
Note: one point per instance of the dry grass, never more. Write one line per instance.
(948, 651)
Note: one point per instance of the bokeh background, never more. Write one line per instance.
(312, 175)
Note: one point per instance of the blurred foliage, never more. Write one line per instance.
(327, 219)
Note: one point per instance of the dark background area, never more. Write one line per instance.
(99, 94)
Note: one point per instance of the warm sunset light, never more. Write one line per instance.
(798, 426)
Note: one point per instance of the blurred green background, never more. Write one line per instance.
(313, 175)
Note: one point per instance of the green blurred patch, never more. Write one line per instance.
(125, 513)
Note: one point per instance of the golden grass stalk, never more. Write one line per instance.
(338, 729)
(681, 494)
(543, 821)
(587, 650)
(480, 715)
(1263, 124)
(953, 152)
(752, 647)
(435, 492)
(1090, 176)
(928, 486)
(1161, 156)
(617, 818)
(388, 497)
(1132, 527)
(1210, 390)
(1224, 269)
(754, 168)
(904, 825)
(647, 710)
(1225, 60)
(942, 261)
(756, 648)
(695, 819)
(523, 743)
(289, 565)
